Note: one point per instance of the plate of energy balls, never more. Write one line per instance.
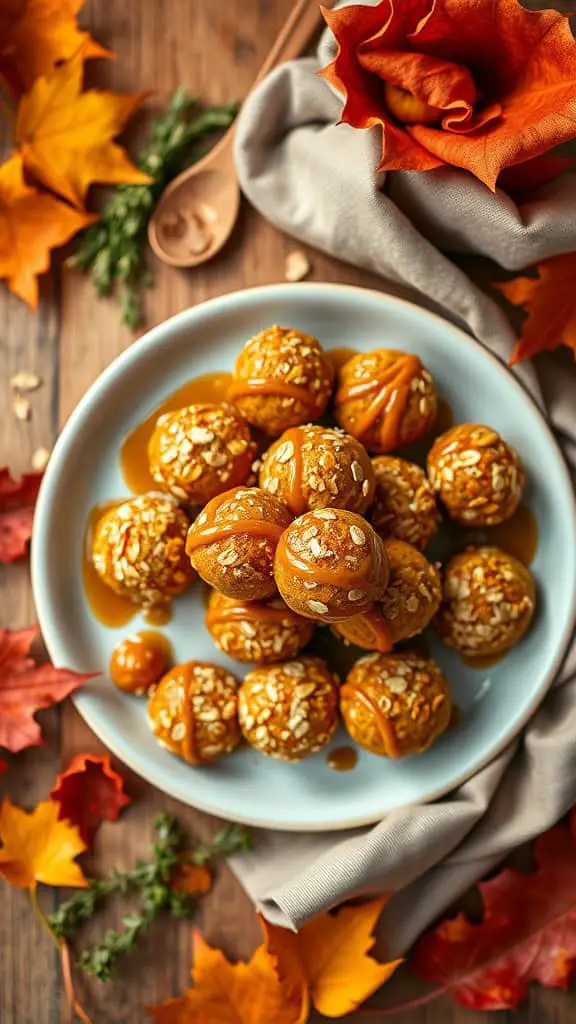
(320, 545)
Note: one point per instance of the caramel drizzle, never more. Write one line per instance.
(330, 577)
(348, 692)
(254, 527)
(250, 610)
(295, 496)
(391, 390)
(354, 629)
(272, 388)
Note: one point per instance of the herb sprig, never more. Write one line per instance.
(114, 248)
(151, 880)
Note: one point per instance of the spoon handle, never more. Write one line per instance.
(303, 20)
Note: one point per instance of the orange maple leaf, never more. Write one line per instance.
(330, 953)
(226, 993)
(324, 964)
(465, 83)
(39, 848)
(32, 223)
(65, 135)
(549, 301)
(35, 35)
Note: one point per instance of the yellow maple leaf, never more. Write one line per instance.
(36, 34)
(331, 953)
(65, 135)
(32, 223)
(36, 847)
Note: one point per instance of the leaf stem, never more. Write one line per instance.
(39, 913)
(74, 1003)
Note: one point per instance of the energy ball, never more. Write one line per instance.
(414, 590)
(386, 399)
(395, 704)
(200, 451)
(233, 541)
(136, 664)
(478, 476)
(408, 604)
(318, 467)
(289, 710)
(330, 564)
(404, 504)
(138, 549)
(487, 603)
(282, 378)
(260, 631)
(194, 712)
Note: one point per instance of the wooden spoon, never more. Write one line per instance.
(196, 213)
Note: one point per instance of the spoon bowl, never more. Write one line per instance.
(196, 214)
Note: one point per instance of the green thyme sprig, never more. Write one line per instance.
(114, 248)
(151, 880)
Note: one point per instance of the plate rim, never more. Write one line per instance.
(49, 487)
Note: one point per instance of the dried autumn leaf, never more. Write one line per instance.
(89, 792)
(32, 223)
(17, 501)
(226, 993)
(36, 847)
(35, 35)
(26, 687)
(65, 135)
(331, 954)
(194, 879)
(550, 304)
(463, 83)
(528, 932)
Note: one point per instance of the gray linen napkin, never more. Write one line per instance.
(315, 180)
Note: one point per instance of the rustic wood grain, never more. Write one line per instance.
(214, 47)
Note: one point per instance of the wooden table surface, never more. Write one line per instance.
(214, 48)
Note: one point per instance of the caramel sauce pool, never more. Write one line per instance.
(343, 759)
(109, 608)
(210, 387)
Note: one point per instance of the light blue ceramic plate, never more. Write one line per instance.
(84, 471)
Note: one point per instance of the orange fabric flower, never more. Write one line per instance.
(477, 84)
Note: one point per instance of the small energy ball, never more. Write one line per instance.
(200, 451)
(318, 467)
(233, 541)
(282, 377)
(404, 503)
(386, 399)
(261, 631)
(330, 564)
(478, 476)
(136, 664)
(408, 604)
(414, 590)
(138, 549)
(289, 710)
(395, 704)
(487, 604)
(194, 712)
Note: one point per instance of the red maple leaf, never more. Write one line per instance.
(17, 500)
(88, 792)
(26, 687)
(528, 932)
